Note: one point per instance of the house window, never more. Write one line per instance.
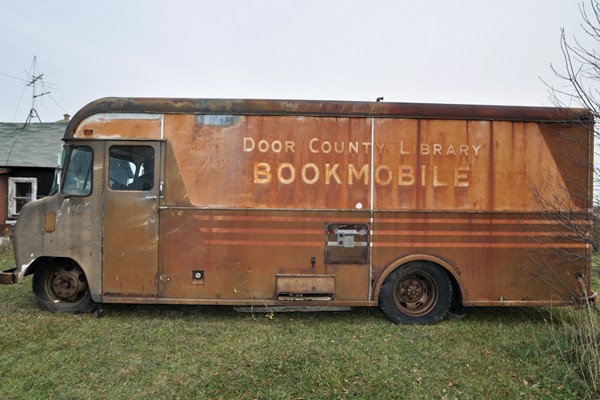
(20, 192)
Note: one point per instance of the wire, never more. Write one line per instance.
(19, 103)
(56, 102)
(17, 136)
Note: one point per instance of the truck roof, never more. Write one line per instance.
(328, 108)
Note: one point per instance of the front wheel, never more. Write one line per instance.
(417, 293)
(62, 287)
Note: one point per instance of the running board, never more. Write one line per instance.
(303, 297)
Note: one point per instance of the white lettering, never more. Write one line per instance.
(402, 151)
(248, 144)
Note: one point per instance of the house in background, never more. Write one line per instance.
(28, 158)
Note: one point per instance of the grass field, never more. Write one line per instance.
(140, 352)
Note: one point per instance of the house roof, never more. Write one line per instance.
(33, 145)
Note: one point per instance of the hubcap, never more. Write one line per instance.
(67, 283)
(415, 294)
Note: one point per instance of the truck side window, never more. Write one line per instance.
(78, 178)
(131, 168)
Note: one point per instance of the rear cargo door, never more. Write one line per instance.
(131, 201)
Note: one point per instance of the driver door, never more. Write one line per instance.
(131, 201)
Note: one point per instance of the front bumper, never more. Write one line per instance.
(7, 277)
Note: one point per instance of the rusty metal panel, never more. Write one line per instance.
(478, 166)
(120, 126)
(464, 166)
(287, 162)
(496, 257)
(305, 284)
(242, 251)
(326, 108)
(131, 229)
(78, 227)
(272, 161)
(431, 165)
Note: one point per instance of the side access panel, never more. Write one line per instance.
(217, 255)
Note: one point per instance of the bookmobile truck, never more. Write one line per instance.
(414, 208)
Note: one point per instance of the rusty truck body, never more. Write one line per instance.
(410, 207)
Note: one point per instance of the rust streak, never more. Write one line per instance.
(264, 231)
(486, 245)
(476, 221)
(474, 233)
(278, 219)
(262, 243)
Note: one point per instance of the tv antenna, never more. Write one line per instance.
(39, 88)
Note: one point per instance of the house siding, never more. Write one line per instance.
(3, 200)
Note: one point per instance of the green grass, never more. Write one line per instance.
(187, 352)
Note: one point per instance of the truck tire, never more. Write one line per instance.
(416, 293)
(62, 287)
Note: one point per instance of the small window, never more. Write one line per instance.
(20, 192)
(131, 168)
(78, 177)
(347, 244)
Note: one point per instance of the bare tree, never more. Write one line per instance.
(581, 68)
(579, 75)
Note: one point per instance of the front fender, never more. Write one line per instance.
(16, 275)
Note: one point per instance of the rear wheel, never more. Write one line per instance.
(417, 293)
(62, 287)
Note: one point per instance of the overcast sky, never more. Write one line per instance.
(433, 51)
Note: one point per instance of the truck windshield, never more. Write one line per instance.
(78, 177)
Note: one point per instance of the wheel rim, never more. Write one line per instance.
(67, 283)
(416, 294)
